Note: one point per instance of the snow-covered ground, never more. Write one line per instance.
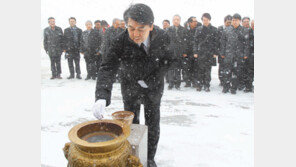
(197, 129)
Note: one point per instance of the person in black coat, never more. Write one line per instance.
(250, 63)
(178, 45)
(95, 42)
(53, 46)
(109, 35)
(142, 52)
(227, 23)
(234, 51)
(190, 61)
(205, 49)
(88, 55)
(73, 37)
(165, 27)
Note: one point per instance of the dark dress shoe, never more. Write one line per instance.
(71, 77)
(207, 89)
(52, 77)
(78, 76)
(225, 90)
(198, 88)
(233, 92)
(247, 90)
(170, 87)
(59, 77)
(187, 85)
(87, 78)
(94, 78)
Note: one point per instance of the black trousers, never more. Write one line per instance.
(174, 76)
(249, 67)
(152, 119)
(74, 57)
(203, 75)
(90, 65)
(232, 74)
(55, 64)
(188, 67)
(220, 69)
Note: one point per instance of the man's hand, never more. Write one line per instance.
(98, 53)
(184, 55)
(195, 55)
(99, 108)
(223, 56)
(214, 56)
(245, 57)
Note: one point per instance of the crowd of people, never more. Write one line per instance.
(196, 47)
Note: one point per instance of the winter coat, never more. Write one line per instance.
(70, 45)
(178, 38)
(84, 47)
(220, 31)
(53, 41)
(135, 65)
(206, 44)
(235, 44)
(190, 41)
(95, 41)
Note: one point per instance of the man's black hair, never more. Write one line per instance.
(98, 21)
(166, 21)
(72, 18)
(50, 18)
(228, 17)
(246, 18)
(237, 16)
(206, 15)
(104, 22)
(139, 12)
(190, 19)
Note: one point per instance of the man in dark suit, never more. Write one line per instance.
(142, 52)
(73, 37)
(178, 45)
(205, 49)
(53, 46)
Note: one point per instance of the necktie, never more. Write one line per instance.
(75, 36)
(143, 47)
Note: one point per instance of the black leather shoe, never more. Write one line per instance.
(233, 92)
(94, 78)
(71, 77)
(53, 77)
(225, 90)
(207, 89)
(247, 90)
(198, 88)
(87, 78)
(170, 87)
(59, 77)
(187, 85)
(78, 76)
